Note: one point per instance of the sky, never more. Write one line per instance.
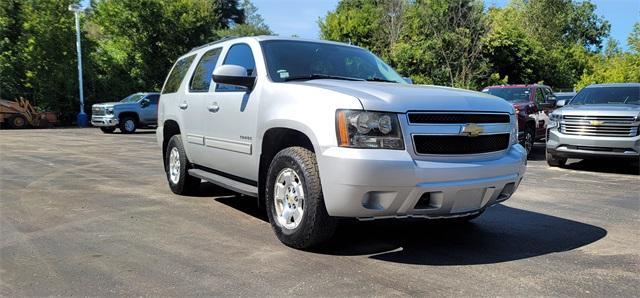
(300, 17)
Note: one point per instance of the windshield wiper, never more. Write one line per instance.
(318, 76)
(377, 79)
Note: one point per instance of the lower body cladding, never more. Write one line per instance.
(104, 121)
(576, 146)
(372, 184)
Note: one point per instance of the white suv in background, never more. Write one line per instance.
(319, 130)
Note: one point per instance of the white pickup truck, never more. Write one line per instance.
(318, 130)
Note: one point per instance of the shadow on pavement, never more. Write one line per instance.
(601, 165)
(501, 234)
(605, 165)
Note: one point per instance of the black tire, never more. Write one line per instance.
(555, 161)
(126, 127)
(185, 184)
(17, 122)
(108, 129)
(316, 226)
(529, 138)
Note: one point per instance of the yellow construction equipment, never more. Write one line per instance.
(21, 114)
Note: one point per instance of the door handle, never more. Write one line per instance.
(213, 108)
(183, 105)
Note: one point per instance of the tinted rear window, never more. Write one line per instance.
(177, 75)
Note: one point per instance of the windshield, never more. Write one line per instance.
(133, 98)
(607, 95)
(510, 94)
(287, 60)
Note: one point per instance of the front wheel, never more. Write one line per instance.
(529, 139)
(128, 125)
(17, 122)
(294, 200)
(555, 161)
(176, 166)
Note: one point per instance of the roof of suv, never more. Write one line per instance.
(271, 37)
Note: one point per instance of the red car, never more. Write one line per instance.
(533, 104)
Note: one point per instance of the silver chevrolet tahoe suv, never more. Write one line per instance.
(600, 121)
(318, 130)
(134, 111)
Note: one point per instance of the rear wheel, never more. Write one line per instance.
(128, 125)
(109, 129)
(17, 122)
(294, 200)
(555, 161)
(176, 166)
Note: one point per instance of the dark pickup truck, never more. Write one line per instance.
(533, 104)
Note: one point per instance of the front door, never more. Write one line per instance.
(149, 110)
(231, 121)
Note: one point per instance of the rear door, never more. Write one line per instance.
(174, 104)
(199, 93)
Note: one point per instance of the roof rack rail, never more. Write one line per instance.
(214, 42)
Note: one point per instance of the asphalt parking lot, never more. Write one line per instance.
(84, 214)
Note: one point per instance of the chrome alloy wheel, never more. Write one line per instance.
(289, 199)
(129, 125)
(174, 165)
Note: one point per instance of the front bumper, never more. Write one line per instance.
(104, 121)
(575, 146)
(371, 184)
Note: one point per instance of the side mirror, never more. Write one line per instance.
(561, 103)
(408, 80)
(233, 75)
(144, 103)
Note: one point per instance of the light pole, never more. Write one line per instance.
(83, 120)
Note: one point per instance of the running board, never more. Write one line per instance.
(225, 182)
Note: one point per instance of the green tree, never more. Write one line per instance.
(441, 42)
(137, 41)
(253, 23)
(38, 52)
(614, 66)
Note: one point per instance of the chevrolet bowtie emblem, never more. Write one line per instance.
(472, 130)
(596, 123)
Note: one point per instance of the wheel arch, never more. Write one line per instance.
(273, 141)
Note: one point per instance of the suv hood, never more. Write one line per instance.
(401, 98)
(601, 110)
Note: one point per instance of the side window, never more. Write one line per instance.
(239, 54)
(177, 75)
(153, 99)
(547, 93)
(539, 96)
(201, 79)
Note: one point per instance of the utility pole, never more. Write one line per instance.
(83, 119)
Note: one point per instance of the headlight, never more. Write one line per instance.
(554, 120)
(109, 110)
(514, 129)
(361, 129)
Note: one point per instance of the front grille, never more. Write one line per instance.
(97, 111)
(450, 144)
(605, 126)
(445, 118)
